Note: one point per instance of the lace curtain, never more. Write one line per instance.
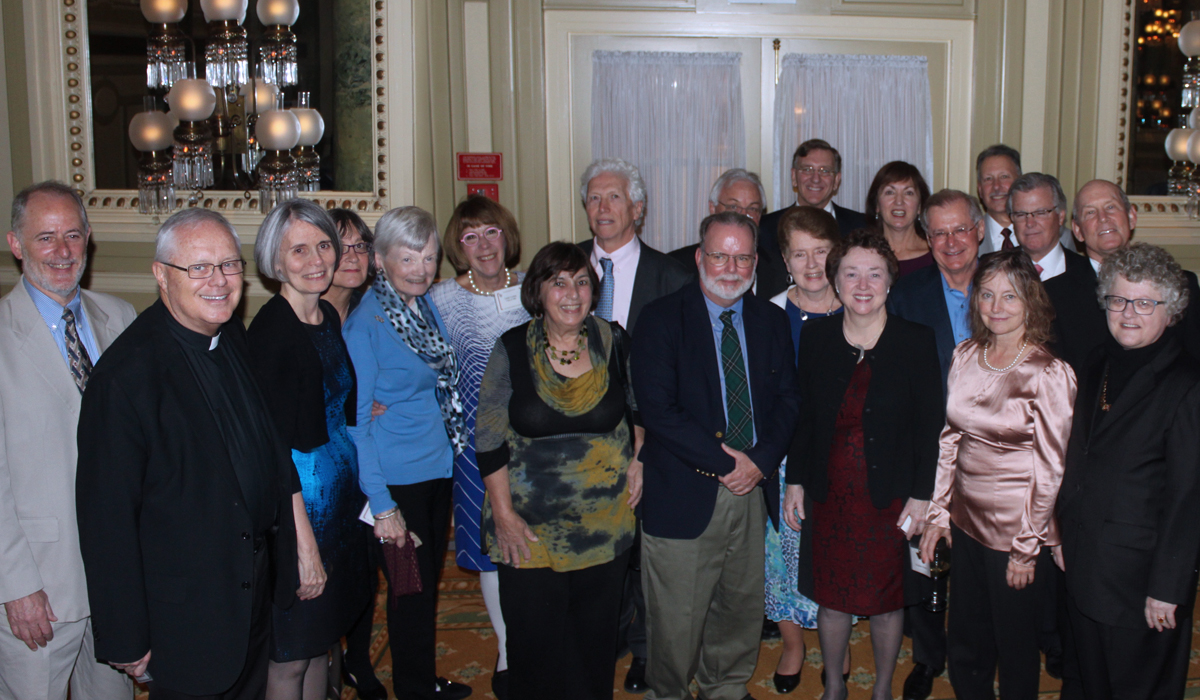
(677, 117)
(873, 109)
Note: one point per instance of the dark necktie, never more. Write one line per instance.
(740, 429)
(1008, 244)
(604, 309)
(77, 355)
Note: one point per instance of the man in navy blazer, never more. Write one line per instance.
(938, 296)
(701, 357)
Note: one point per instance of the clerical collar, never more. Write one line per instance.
(190, 338)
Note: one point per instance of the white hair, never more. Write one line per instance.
(736, 175)
(165, 243)
(634, 187)
(410, 227)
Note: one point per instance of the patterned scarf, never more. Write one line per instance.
(420, 333)
(570, 396)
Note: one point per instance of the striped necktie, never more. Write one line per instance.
(739, 432)
(605, 308)
(77, 354)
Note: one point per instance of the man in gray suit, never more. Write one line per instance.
(996, 169)
(51, 332)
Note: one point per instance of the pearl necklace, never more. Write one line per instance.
(471, 281)
(1012, 364)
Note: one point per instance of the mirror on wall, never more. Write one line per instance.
(334, 55)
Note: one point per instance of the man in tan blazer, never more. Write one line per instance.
(51, 332)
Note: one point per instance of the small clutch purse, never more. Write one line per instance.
(404, 574)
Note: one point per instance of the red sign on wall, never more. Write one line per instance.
(491, 190)
(480, 166)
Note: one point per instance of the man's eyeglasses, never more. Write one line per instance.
(751, 211)
(1142, 307)
(362, 247)
(821, 172)
(721, 260)
(201, 271)
(1039, 214)
(472, 239)
(959, 233)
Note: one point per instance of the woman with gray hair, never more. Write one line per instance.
(403, 360)
(304, 371)
(1127, 508)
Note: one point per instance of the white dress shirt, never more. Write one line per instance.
(994, 234)
(1053, 264)
(1095, 264)
(625, 261)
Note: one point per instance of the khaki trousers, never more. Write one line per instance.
(67, 661)
(704, 603)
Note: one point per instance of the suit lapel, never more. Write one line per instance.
(696, 317)
(105, 328)
(38, 346)
(757, 353)
(1140, 385)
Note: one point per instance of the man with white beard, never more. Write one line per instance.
(713, 370)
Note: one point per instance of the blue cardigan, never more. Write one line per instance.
(407, 444)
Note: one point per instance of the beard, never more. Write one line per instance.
(42, 281)
(713, 286)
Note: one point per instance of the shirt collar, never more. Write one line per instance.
(1054, 260)
(715, 310)
(190, 338)
(947, 289)
(1094, 263)
(620, 256)
(51, 311)
(829, 208)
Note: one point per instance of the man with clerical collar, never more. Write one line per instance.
(51, 333)
(1037, 208)
(184, 490)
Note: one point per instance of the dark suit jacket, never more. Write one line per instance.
(1127, 508)
(1080, 324)
(902, 419)
(771, 275)
(918, 297)
(768, 240)
(657, 275)
(166, 538)
(678, 388)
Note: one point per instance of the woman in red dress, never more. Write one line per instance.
(865, 452)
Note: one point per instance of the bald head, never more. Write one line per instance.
(1102, 218)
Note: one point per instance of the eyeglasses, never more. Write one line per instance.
(1142, 307)
(721, 260)
(751, 211)
(1040, 214)
(201, 271)
(362, 248)
(472, 239)
(821, 172)
(959, 233)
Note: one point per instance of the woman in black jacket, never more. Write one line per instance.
(863, 461)
(304, 370)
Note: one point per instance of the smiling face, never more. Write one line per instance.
(1037, 234)
(1129, 328)
(740, 196)
(612, 216)
(411, 272)
(1103, 223)
(1000, 306)
(52, 245)
(567, 299)
(486, 257)
(862, 281)
(201, 305)
(307, 258)
(953, 237)
(352, 271)
(813, 187)
(725, 284)
(996, 175)
(806, 261)
(899, 204)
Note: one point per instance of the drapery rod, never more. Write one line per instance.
(776, 44)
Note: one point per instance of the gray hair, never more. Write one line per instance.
(1033, 181)
(736, 175)
(634, 187)
(730, 218)
(998, 150)
(269, 243)
(1142, 262)
(410, 227)
(166, 241)
(1120, 193)
(52, 188)
(947, 197)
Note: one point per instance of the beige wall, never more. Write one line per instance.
(1041, 69)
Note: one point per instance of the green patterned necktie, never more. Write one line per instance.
(740, 430)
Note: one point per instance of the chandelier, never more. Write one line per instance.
(227, 129)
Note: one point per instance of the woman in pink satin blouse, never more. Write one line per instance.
(1008, 418)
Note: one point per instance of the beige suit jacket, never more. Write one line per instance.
(39, 412)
